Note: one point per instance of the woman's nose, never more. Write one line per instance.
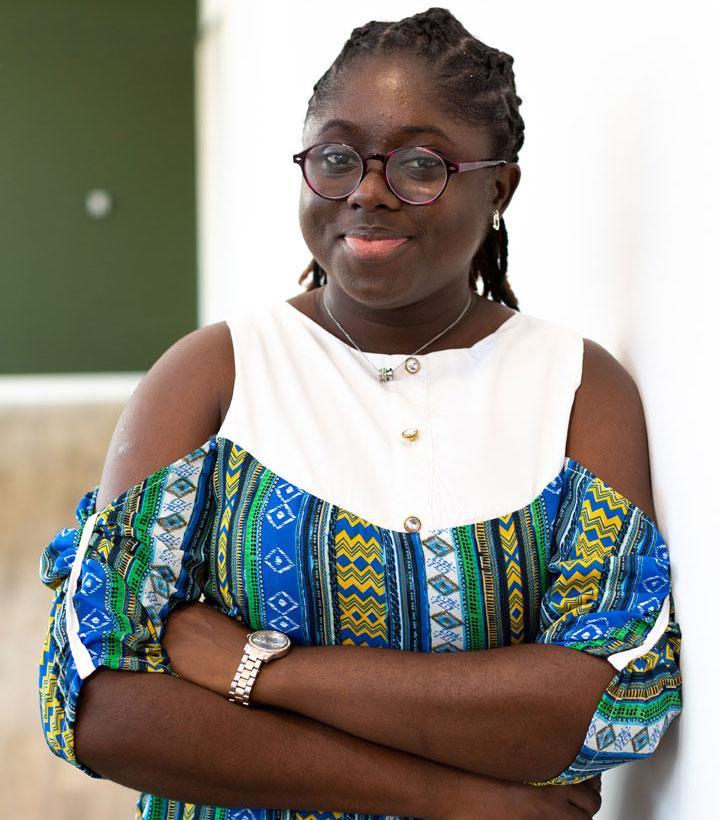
(373, 190)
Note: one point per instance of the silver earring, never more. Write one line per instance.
(496, 220)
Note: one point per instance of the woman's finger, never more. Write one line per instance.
(586, 798)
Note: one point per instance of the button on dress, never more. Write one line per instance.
(435, 512)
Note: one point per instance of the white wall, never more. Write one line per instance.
(611, 232)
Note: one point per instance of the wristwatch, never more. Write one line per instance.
(262, 646)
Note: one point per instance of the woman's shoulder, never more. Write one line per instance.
(205, 360)
(213, 347)
(607, 431)
(177, 406)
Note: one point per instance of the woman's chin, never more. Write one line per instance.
(374, 286)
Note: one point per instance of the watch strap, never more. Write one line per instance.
(244, 679)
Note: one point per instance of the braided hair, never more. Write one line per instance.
(477, 86)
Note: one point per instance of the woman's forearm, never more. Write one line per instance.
(517, 713)
(169, 737)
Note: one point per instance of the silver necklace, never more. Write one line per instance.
(412, 365)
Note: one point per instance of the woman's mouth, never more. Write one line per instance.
(365, 248)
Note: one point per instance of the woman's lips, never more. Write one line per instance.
(374, 248)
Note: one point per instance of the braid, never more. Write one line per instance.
(476, 84)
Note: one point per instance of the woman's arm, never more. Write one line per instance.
(516, 713)
(166, 736)
(519, 713)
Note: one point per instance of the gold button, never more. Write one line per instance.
(411, 433)
(412, 365)
(412, 523)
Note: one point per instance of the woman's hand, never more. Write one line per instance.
(476, 797)
(204, 645)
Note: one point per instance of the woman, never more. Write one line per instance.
(388, 461)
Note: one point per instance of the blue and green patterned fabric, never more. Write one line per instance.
(578, 566)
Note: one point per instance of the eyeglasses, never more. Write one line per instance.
(416, 175)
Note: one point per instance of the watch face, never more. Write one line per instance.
(269, 639)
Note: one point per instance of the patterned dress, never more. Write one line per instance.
(436, 512)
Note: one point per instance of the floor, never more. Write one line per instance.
(50, 457)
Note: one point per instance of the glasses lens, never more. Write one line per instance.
(416, 174)
(333, 170)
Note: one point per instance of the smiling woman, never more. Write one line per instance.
(389, 110)
(388, 475)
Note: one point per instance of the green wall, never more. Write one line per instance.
(96, 94)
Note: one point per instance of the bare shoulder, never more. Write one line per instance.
(177, 407)
(607, 431)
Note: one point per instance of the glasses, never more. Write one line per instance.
(416, 175)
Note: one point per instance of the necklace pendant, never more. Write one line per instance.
(412, 365)
(385, 374)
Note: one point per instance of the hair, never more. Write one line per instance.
(476, 84)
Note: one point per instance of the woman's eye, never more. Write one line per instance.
(337, 158)
(424, 164)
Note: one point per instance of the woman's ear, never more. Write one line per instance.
(506, 183)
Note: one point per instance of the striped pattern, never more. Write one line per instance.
(513, 574)
(578, 566)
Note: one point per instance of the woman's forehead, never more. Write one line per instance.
(389, 97)
(379, 128)
(390, 100)
(382, 87)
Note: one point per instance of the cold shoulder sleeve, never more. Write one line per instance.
(116, 577)
(610, 595)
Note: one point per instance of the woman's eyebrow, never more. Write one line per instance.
(406, 129)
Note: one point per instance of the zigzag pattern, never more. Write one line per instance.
(576, 586)
(231, 483)
(52, 713)
(324, 815)
(601, 515)
(361, 585)
(513, 573)
(598, 521)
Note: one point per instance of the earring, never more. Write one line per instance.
(496, 220)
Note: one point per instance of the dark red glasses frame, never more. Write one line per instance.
(450, 168)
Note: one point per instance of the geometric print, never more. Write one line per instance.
(283, 604)
(578, 566)
(166, 531)
(141, 559)
(611, 576)
(445, 600)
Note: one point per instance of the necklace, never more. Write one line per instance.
(412, 365)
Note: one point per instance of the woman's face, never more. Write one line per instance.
(385, 103)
